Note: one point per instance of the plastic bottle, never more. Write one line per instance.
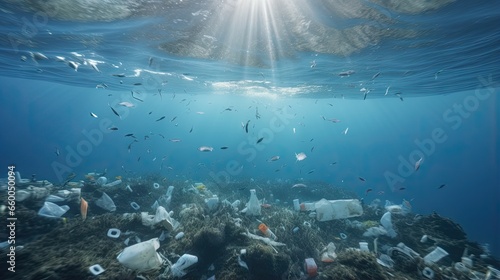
(267, 231)
(253, 208)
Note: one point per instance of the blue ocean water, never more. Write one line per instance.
(364, 91)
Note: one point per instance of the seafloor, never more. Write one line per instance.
(65, 248)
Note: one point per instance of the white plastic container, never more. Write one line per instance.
(253, 207)
(386, 222)
(296, 205)
(141, 256)
(327, 210)
(112, 184)
(363, 246)
(101, 181)
(435, 255)
(182, 263)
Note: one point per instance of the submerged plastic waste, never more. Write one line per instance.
(328, 254)
(327, 210)
(253, 206)
(112, 184)
(114, 233)
(183, 263)
(161, 218)
(96, 269)
(310, 267)
(386, 222)
(141, 256)
(435, 255)
(106, 203)
(52, 210)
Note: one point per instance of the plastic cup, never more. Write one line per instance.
(363, 246)
(310, 267)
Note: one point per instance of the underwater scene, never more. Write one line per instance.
(250, 139)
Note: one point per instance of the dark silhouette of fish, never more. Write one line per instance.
(160, 119)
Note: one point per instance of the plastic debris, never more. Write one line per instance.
(106, 203)
(114, 233)
(180, 235)
(141, 256)
(310, 267)
(52, 210)
(435, 255)
(96, 269)
(328, 254)
(386, 222)
(240, 261)
(185, 261)
(134, 205)
(253, 207)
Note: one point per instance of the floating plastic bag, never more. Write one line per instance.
(106, 203)
(54, 198)
(386, 222)
(141, 256)
(52, 210)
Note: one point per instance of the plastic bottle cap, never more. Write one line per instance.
(114, 233)
(96, 269)
(135, 205)
(263, 228)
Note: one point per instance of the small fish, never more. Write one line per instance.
(126, 104)
(137, 84)
(418, 163)
(175, 140)
(293, 130)
(300, 156)
(150, 61)
(200, 113)
(136, 98)
(311, 171)
(224, 147)
(115, 112)
(161, 135)
(300, 185)
(277, 170)
(205, 149)
(387, 90)
(159, 92)
(442, 186)
(129, 135)
(368, 190)
(38, 56)
(260, 140)
(129, 147)
(362, 179)
(246, 126)
(399, 95)
(311, 140)
(160, 119)
(73, 65)
(93, 115)
(150, 112)
(346, 73)
(113, 128)
(138, 159)
(173, 119)
(346, 130)
(333, 163)
(402, 188)
(57, 152)
(380, 192)
(191, 130)
(146, 137)
(375, 76)
(274, 158)
(119, 75)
